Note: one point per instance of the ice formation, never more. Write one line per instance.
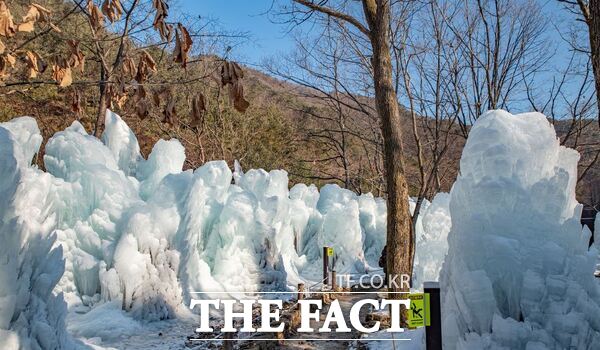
(145, 234)
(31, 316)
(518, 274)
(433, 225)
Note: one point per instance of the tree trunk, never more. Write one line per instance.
(399, 233)
(102, 103)
(594, 29)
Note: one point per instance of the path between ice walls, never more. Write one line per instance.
(143, 235)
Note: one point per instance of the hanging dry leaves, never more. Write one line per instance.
(6, 63)
(142, 107)
(236, 96)
(119, 95)
(198, 110)
(232, 74)
(145, 66)
(7, 25)
(44, 13)
(183, 44)
(96, 16)
(76, 56)
(162, 11)
(129, 67)
(2, 47)
(36, 12)
(76, 102)
(146, 57)
(35, 64)
(112, 9)
(61, 72)
(169, 112)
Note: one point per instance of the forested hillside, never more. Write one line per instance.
(287, 125)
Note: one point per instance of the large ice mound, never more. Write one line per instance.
(31, 316)
(518, 274)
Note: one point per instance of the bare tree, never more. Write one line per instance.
(426, 60)
(570, 104)
(500, 43)
(374, 25)
(338, 122)
(589, 12)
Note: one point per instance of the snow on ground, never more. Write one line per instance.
(413, 339)
(518, 273)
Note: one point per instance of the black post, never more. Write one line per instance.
(433, 332)
(333, 280)
(325, 266)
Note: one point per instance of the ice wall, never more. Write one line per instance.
(518, 274)
(31, 316)
(432, 228)
(146, 235)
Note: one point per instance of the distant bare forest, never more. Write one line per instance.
(312, 112)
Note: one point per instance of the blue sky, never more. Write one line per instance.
(267, 38)
(271, 39)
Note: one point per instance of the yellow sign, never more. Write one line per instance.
(329, 251)
(418, 314)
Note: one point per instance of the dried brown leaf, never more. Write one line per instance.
(61, 72)
(231, 74)
(198, 110)
(7, 24)
(129, 67)
(26, 27)
(149, 60)
(35, 13)
(55, 28)
(112, 9)
(44, 12)
(169, 112)
(35, 64)
(76, 102)
(96, 16)
(76, 58)
(183, 44)
(162, 11)
(145, 66)
(236, 94)
(119, 95)
(7, 62)
(156, 98)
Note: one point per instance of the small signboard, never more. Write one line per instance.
(418, 314)
(329, 251)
